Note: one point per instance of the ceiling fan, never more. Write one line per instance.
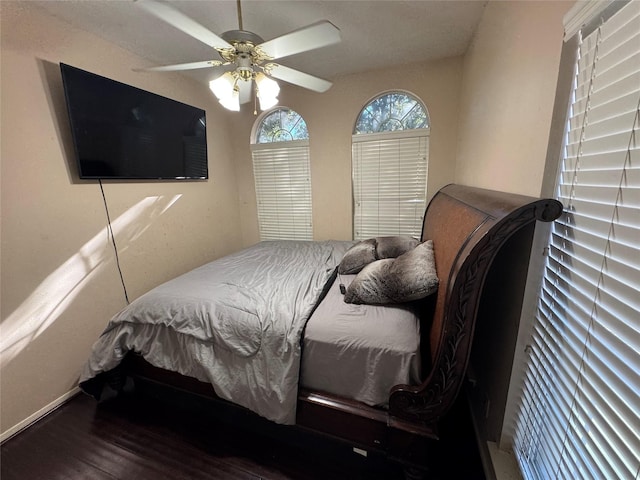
(249, 57)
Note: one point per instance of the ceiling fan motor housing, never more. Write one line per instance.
(246, 52)
(240, 36)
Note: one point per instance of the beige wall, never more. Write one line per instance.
(330, 120)
(510, 75)
(59, 280)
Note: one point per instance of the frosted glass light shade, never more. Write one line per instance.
(268, 90)
(222, 87)
(232, 102)
(267, 86)
(267, 103)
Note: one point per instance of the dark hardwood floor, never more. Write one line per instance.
(139, 437)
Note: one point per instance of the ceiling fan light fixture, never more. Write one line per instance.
(267, 86)
(232, 102)
(223, 86)
(267, 102)
(267, 91)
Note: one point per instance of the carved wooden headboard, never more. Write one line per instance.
(468, 227)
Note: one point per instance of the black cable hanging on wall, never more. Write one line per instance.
(113, 240)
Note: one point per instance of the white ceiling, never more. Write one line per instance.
(375, 34)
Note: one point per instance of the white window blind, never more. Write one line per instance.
(283, 190)
(579, 411)
(389, 183)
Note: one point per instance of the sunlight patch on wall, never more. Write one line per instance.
(52, 297)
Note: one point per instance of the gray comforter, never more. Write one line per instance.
(236, 322)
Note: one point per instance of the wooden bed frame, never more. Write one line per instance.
(469, 228)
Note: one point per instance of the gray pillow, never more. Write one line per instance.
(409, 277)
(367, 251)
(392, 247)
(361, 254)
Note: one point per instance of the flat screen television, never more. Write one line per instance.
(122, 132)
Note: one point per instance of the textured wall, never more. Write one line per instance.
(508, 89)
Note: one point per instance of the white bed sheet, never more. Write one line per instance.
(360, 351)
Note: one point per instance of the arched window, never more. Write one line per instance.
(391, 112)
(390, 157)
(281, 169)
(281, 125)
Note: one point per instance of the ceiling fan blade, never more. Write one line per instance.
(245, 91)
(180, 66)
(299, 78)
(180, 21)
(314, 36)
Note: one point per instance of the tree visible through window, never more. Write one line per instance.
(391, 112)
(282, 176)
(282, 125)
(390, 152)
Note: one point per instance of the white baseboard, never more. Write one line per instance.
(38, 415)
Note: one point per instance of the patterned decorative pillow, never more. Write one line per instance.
(409, 277)
(361, 254)
(367, 251)
(392, 247)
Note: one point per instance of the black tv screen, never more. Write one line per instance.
(123, 132)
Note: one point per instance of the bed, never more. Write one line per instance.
(379, 375)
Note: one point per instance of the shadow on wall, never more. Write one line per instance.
(47, 302)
